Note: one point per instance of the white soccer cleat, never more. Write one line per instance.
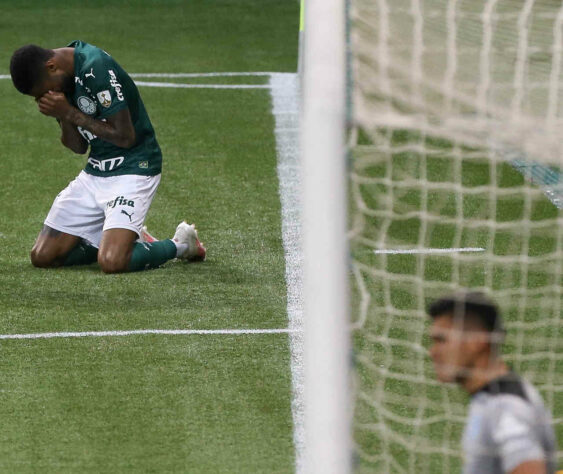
(187, 234)
(146, 236)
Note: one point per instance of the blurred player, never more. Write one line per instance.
(100, 215)
(508, 429)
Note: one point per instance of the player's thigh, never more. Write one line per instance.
(128, 200)
(51, 247)
(115, 250)
(75, 211)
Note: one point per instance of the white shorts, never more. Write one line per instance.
(91, 204)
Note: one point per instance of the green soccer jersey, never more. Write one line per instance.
(103, 88)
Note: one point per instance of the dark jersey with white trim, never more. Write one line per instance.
(101, 89)
(507, 426)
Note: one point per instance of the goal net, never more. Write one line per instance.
(454, 181)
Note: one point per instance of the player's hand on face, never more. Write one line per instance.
(54, 104)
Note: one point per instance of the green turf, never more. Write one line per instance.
(163, 35)
(145, 404)
(152, 403)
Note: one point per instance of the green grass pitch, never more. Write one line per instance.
(152, 403)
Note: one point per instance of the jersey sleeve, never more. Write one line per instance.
(102, 78)
(516, 435)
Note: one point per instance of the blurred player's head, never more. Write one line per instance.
(36, 70)
(466, 334)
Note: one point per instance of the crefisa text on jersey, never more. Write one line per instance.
(116, 85)
(120, 201)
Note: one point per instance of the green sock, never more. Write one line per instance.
(151, 255)
(82, 254)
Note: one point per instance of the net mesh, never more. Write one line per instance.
(454, 182)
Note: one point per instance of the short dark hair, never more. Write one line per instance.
(474, 306)
(27, 66)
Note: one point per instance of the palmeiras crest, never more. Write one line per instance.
(87, 105)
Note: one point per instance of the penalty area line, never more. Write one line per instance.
(427, 251)
(136, 332)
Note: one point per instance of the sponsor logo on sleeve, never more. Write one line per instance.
(86, 104)
(116, 85)
(105, 98)
(90, 74)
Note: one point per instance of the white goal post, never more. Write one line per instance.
(325, 244)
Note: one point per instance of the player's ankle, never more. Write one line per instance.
(181, 247)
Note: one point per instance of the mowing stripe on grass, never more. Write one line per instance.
(137, 332)
(285, 108)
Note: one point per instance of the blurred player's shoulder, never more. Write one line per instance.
(509, 414)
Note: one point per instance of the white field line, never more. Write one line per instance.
(180, 75)
(188, 86)
(137, 332)
(428, 251)
(285, 108)
(203, 74)
(190, 74)
(173, 85)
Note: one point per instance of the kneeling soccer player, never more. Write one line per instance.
(99, 216)
(508, 429)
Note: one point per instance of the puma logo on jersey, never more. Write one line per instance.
(90, 74)
(123, 211)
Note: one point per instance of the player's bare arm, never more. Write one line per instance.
(71, 138)
(118, 129)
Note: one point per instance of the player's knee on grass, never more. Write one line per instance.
(115, 250)
(45, 256)
(114, 261)
(51, 247)
(40, 258)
